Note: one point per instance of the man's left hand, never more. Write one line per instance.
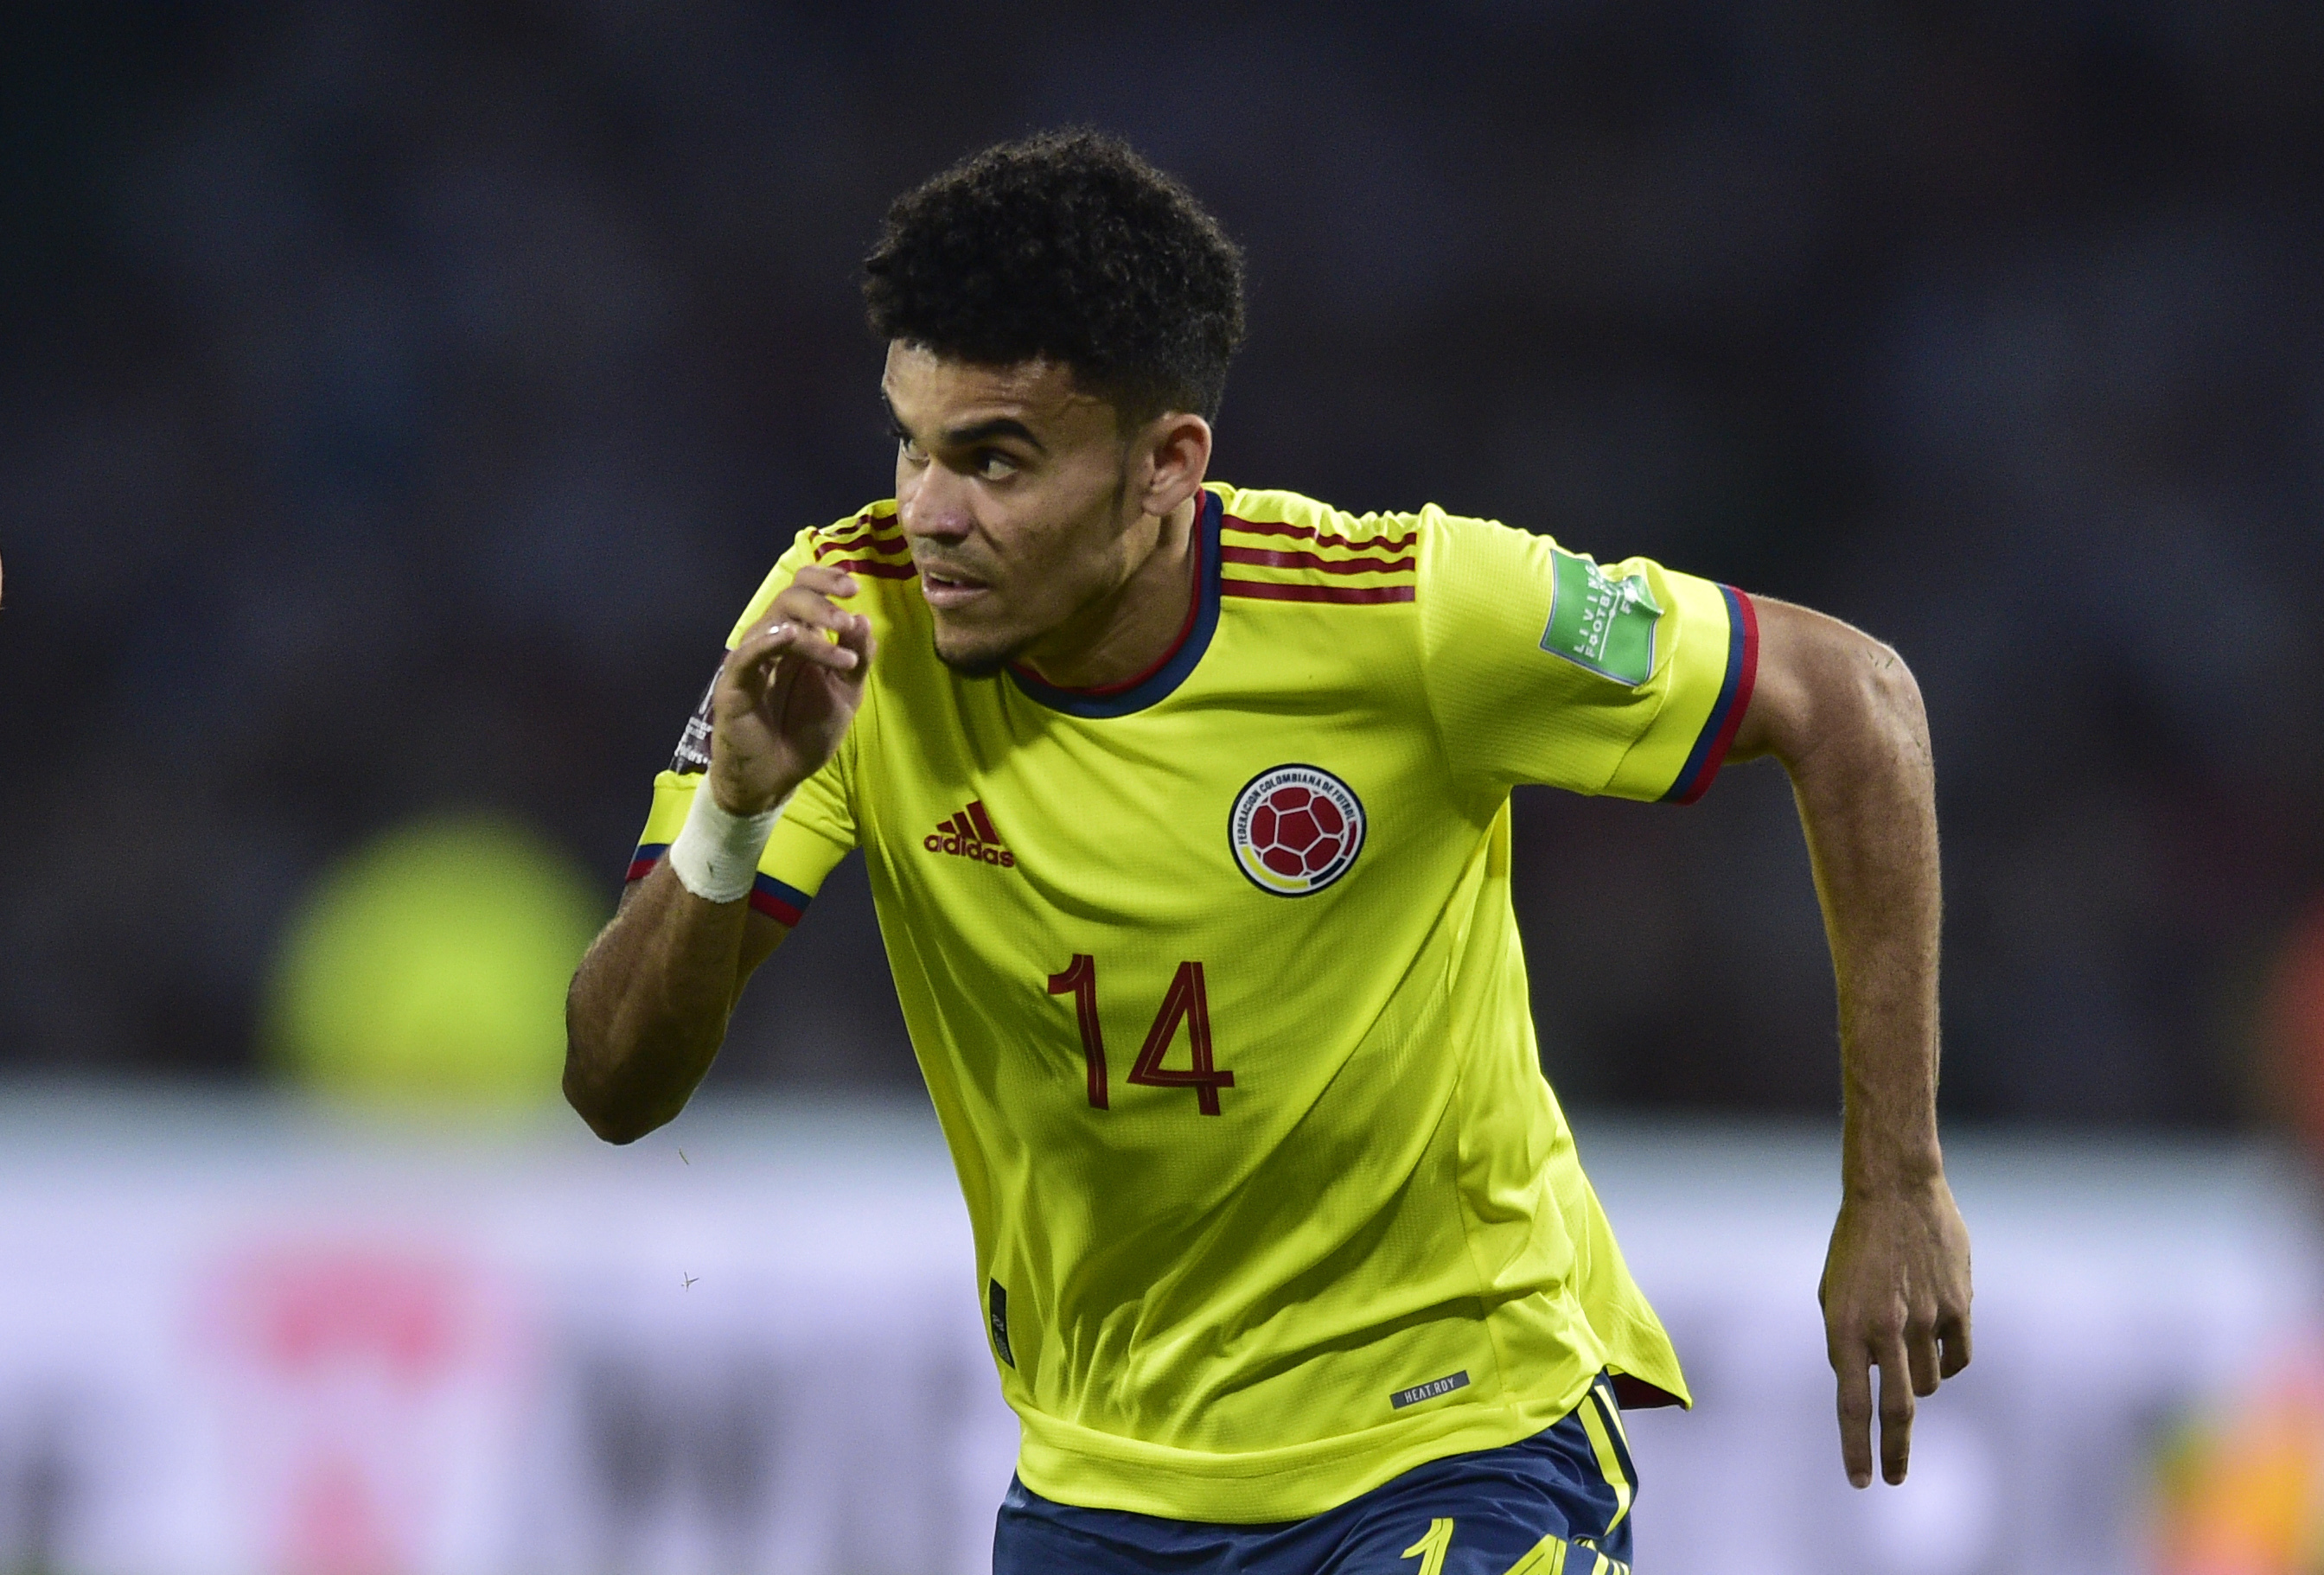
(1896, 1296)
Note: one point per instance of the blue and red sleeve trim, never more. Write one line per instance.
(785, 905)
(1711, 746)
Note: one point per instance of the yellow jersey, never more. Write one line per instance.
(1217, 990)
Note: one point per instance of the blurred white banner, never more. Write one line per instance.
(238, 1337)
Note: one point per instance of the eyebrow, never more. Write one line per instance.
(981, 432)
(985, 431)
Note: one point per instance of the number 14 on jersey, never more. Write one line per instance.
(1185, 1003)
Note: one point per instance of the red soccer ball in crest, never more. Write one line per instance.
(1296, 832)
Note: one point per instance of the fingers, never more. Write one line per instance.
(1895, 1413)
(857, 640)
(1855, 1417)
(787, 637)
(803, 622)
(808, 596)
(1953, 1334)
(1895, 1295)
(807, 602)
(1909, 1364)
(1921, 1355)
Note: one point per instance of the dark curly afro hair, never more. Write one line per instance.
(1066, 247)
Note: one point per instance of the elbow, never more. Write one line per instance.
(1826, 691)
(592, 1093)
(1892, 696)
(631, 1061)
(1867, 722)
(600, 1115)
(1830, 700)
(605, 1117)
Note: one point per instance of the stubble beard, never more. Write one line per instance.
(977, 664)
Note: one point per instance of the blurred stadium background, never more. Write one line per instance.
(401, 399)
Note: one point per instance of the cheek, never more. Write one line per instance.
(1055, 550)
(1048, 572)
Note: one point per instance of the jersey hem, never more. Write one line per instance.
(1098, 1471)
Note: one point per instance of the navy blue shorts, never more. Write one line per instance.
(1556, 1504)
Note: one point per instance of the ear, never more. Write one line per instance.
(1169, 459)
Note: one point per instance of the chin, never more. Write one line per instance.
(975, 658)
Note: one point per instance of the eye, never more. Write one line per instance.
(993, 464)
(908, 444)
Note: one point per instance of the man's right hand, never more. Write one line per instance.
(788, 692)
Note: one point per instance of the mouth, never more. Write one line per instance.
(949, 590)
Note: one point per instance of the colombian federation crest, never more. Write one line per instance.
(1295, 829)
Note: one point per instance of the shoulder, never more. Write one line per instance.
(1284, 546)
(867, 544)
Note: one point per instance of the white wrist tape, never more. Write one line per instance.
(716, 855)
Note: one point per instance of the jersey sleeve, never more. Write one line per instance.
(817, 826)
(1542, 666)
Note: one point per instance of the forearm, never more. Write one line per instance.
(649, 1006)
(1843, 715)
(1866, 797)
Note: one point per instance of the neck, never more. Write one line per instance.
(1127, 632)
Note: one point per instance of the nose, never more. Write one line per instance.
(933, 504)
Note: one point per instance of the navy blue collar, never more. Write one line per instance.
(1159, 684)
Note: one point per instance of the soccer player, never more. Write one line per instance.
(1186, 811)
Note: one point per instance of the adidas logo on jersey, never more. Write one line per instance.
(970, 835)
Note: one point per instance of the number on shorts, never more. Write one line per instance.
(1430, 1549)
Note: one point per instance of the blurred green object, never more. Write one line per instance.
(430, 966)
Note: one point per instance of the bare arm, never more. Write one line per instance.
(1842, 714)
(650, 1003)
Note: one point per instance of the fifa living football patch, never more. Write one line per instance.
(1605, 625)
